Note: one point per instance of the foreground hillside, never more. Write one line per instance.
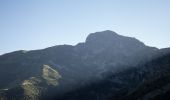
(150, 81)
(106, 66)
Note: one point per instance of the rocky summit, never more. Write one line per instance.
(107, 66)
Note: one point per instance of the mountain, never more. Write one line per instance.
(157, 80)
(149, 81)
(106, 64)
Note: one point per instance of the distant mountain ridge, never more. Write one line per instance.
(60, 69)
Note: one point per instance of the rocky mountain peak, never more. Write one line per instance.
(100, 41)
(102, 36)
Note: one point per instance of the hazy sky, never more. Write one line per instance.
(37, 24)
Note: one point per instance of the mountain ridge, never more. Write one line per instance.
(101, 55)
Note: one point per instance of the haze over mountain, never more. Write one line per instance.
(106, 66)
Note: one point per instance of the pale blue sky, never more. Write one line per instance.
(37, 24)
